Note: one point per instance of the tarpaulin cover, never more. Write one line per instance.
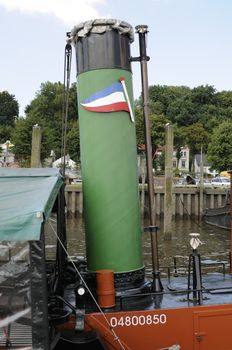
(27, 197)
(100, 26)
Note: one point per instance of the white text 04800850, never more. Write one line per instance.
(142, 320)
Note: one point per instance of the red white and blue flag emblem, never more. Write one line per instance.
(111, 99)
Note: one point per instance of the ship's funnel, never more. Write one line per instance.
(108, 145)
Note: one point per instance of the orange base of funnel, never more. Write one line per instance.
(105, 288)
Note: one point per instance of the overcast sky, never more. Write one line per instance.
(189, 41)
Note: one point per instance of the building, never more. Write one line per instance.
(7, 157)
(183, 163)
(69, 163)
(206, 165)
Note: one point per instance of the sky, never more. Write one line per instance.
(189, 41)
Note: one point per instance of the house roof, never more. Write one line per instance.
(68, 161)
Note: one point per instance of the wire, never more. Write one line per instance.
(86, 286)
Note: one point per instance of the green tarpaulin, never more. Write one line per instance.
(27, 197)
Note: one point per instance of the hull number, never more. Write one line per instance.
(142, 320)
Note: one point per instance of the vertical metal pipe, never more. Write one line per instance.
(67, 73)
(142, 31)
(39, 297)
(61, 232)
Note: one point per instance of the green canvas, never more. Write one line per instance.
(27, 197)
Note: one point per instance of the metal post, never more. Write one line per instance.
(142, 31)
(67, 73)
(195, 260)
(39, 297)
(61, 231)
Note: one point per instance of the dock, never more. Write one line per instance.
(185, 201)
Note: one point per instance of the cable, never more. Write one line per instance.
(86, 286)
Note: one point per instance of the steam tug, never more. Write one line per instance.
(51, 300)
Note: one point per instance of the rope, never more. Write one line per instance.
(86, 286)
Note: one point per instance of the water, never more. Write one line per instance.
(215, 247)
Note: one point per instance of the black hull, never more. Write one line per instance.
(219, 217)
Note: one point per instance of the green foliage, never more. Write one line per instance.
(204, 95)
(167, 94)
(9, 109)
(220, 147)
(5, 133)
(195, 114)
(157, 128)
(196, 137)
(73, 141)
(46, 110)
(159, 163)
(181, 111)
(21, 138)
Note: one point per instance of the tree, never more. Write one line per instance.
(9, 110)
(179, 141)
(5, 133)
(157, 123)
(220, 147)
(73, 141)
(225, 99)
(46, 110)
(204, 95)
(196, 137)
(21, 138)
(182, 111)
(167, 94)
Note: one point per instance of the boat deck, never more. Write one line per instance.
(17, 335)
(216, 289)
(213, 285)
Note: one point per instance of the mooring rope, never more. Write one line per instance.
(86, 286)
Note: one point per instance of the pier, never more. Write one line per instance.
(186, 200)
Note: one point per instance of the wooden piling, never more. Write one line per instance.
(168, 181)
(185, 201)
(36, 147)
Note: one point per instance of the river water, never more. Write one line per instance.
(214, 248)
